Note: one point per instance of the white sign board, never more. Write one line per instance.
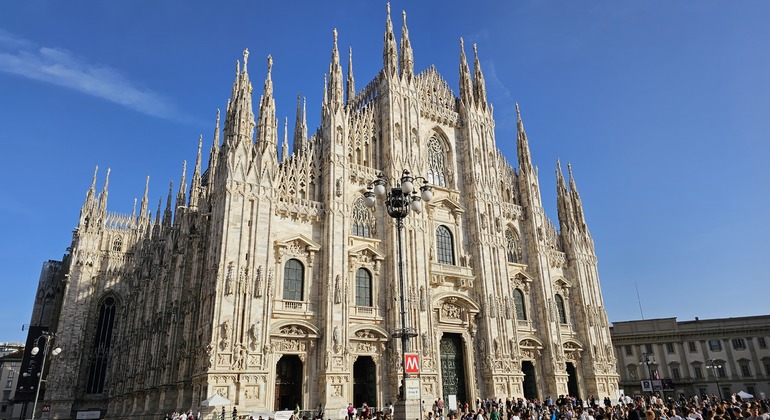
(452, 402)
(412, 389)
(87, 415)
(283, 415)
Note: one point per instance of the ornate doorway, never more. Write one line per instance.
(453, 366)
(364, 382)
(288, 383)
(572, 383)
(530, 380)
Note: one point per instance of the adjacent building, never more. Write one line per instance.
(266, 280)
(717, 357)
(10, 369)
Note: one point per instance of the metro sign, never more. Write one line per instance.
(411, 363)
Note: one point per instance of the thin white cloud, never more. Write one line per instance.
(61, 67)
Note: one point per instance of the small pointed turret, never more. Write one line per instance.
(239, 121)
(195, 186)
(103, 194)
(181, 194)
(577, 202)
(522, 145)
(91, 194)
(529, 186)
(389, 55)
(90, 203)
(479, 86)
(267, 125)
(213, 153)
(351, 86)
(407, 57)
(285, 144)
(300, 125)
(143, 209)
(156, 228)
(334, 87)
(563, 202)
(466, 86)
(133, 214)
(167, 213)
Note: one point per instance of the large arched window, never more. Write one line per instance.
(512, 247)
(444, 247)
(363, 222)
(560, 309)
(97, 371)
(293, 280)
(117, 245)
(363, 287)
(518, 300)
(436, 165)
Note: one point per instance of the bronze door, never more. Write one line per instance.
(453, 366)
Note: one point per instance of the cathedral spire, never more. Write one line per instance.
(167, 212)
(577, 202)
(479, 86)
(522, 145)
(267, 125)
(285, 144)
(90, 204)
(156, 227)
(143, 209)
(334, 87)
(180, 195)
(196, 178)
(133, 214)
(466, 87)
(389, 55)
(300, 124)
(239, 120)
(351, 86)
(528, 182)
(563, 202)
(103, 194)
(407, 57)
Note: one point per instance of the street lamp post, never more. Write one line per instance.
(399, 201)
(648, 359)
(48, 339)
(715, 366)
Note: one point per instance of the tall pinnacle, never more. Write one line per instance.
(285, 144)
(563, 202)
(167, 213)
(196, 178)
(180, 195)
(239, 120)
(267, 125)
(103, 195)
(389, 55)
(466, 87)
(479, 86)
(351, 87)
(334, 87)
(407, 57)
(143, 209)
(300, 124)
(577, 202)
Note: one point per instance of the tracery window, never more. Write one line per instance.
(117, 245)
(560, 309)
(97, 371)
(444, 246)
(363, 222)
(436, 165)
(513, 248)
(518, 300)
(363, 287)
(293, 280)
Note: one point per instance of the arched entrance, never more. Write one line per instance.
(530, 380)
(364, 382)
(288, 383)
(453, 366)
(572, 383)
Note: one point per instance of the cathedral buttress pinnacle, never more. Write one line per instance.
(285, 144)
(563, 203)
(103, 195)
(300, 124)
(479, 86)
(239, 120)
(195, 185)
(167, 213)
(407, 57)
(530, 189)
(577, 203)
(180, 195)
(334, 96)
(143, 209)
(466, 87)
(389, 55)
(351, 86)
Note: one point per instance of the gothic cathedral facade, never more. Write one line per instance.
(270, 283)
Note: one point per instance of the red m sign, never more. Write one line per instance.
(411, 363)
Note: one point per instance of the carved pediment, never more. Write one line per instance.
(298, 244)
(369, 333)
(572, 346)
(448, 203)
(364, 254)
(295, 329)
(530, 343)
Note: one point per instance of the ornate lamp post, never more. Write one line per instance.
(715, 366)
(48, 339)
(399, 201)
(648, 359)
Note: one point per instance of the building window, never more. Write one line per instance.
(444, 246)
(761, 342)
(715, 345)
(363, 288)
(745, 370)
(560, 308)
(293, 280)
(692, 346)
(629, 351)
(100, 355)
(436, 166)
(9, 384)
(117, 245)
(767, 368)
(721, 371)
(632, 373)
(363, 222)
(698, 372)
(648, 348)
(3, 408)
(513, 249)
(11, 374)
(670, 348)
(675, 374)
(6, 395)
(739, 344)
(518, 301)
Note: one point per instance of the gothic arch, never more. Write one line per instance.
(439, 159)
(279, 328)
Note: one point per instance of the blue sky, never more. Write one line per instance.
(660, 106)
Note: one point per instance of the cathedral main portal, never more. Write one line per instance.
(453, 366)
(288, 383)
